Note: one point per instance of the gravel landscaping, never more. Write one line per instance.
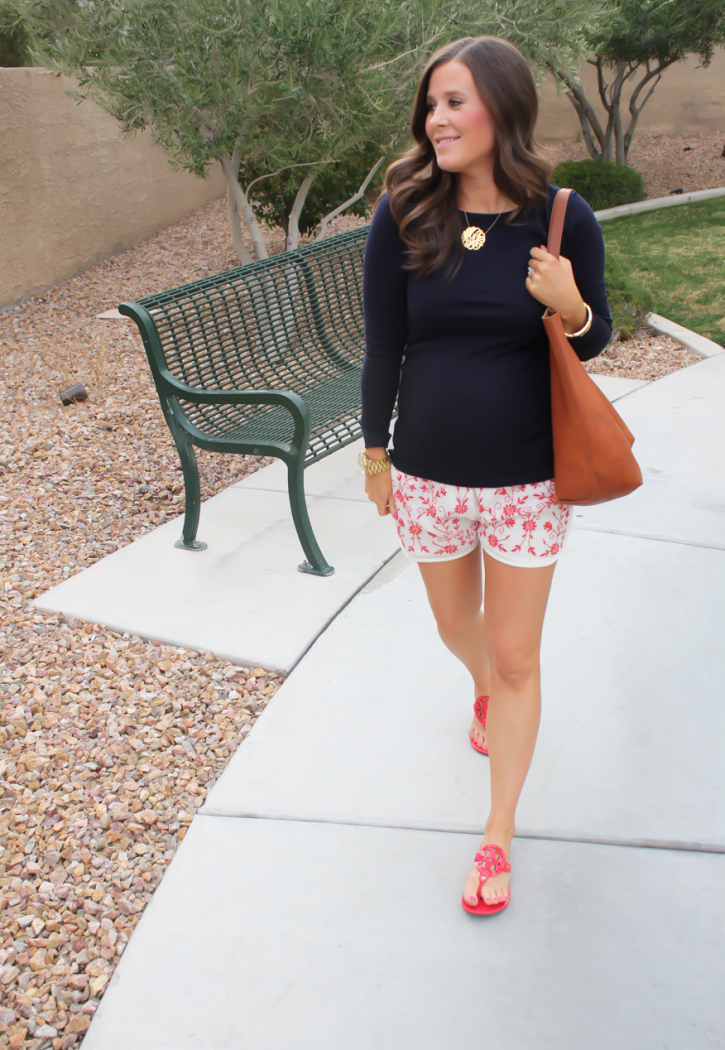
(108, 743)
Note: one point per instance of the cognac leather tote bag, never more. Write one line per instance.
(593, 460)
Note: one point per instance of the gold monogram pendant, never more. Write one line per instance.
(473, 238)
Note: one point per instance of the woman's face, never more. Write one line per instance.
(459, 123)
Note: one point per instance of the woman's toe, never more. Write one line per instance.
(471, 889)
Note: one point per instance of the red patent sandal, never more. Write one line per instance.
(480, 710)
(490, 861)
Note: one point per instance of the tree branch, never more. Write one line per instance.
(324, 223)
(287, 167)
(245, 208)
(587, 114)
(293, 236)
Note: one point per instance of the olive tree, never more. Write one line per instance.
(633, 46)
(285, 95)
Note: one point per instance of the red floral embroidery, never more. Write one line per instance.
(447, 520)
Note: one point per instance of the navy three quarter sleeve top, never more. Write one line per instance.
(468, 358)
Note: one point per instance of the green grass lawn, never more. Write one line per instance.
(679, 255)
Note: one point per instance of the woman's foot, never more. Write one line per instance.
(477, 732)
(496, 889)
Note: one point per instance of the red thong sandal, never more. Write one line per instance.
(490, 861)
(480, 710)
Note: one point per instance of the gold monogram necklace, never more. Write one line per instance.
(474, 237)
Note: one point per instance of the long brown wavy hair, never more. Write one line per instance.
(423, 197)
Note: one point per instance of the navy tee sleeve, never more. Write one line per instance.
(582, 244)
(384, 299)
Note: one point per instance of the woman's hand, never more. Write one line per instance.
(379, 487)
(551, 281)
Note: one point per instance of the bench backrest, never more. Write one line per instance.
(287, 322)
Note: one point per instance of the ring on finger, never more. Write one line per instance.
(530, 271)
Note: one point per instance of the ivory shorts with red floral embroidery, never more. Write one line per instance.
(520, 525)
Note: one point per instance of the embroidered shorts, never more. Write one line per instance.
(520, 525)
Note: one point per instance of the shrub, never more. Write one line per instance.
(629, 301)
(601, 183)
(273, 198)
(14, 37)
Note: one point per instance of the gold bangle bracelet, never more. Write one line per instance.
(587, 326)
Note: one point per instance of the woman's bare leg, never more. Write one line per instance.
(455, 593)
(515, 601)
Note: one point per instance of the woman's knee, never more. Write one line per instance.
(455, 620)
(514, 665)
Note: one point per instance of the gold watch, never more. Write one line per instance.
(373, 466)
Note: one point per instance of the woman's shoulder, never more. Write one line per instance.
(383, 216)
(578, 212)
(384, 226)
(384, 247)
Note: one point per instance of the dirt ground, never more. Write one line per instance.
(108, 743)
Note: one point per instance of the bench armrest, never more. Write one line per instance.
(199, 396)
(285, 398)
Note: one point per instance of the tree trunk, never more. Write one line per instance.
(231, 170)
(243, 254)
(611, 98)
(588, 119)
(634, 109)
(293, 232)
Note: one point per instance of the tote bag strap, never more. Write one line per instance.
(556, 225)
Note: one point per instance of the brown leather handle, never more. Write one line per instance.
(556, 226)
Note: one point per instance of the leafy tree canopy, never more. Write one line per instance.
(14, 37)
(633, 46)
(314, 91)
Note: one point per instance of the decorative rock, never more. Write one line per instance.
(45, 1031)
(99, 983)
(77, 1023)
(16, 1036)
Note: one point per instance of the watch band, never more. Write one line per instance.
(373, 466)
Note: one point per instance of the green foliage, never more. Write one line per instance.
(632, 46)
(273, 197)
(601, 183)
(306, 88)
(660, 31)
(679, 255)
(629, 301)
(14, 37)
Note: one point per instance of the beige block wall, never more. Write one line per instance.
(687, 99)
(72, 189)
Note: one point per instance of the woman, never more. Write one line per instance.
(456, 280)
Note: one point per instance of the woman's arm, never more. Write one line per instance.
(575, 278)
(385, 304)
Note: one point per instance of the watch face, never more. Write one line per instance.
(361, 461)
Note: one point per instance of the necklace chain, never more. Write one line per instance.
(474, 237)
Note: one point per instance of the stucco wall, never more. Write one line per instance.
(72, 189)
(687, 99)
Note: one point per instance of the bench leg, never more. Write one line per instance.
(315, 564)
(192, 495)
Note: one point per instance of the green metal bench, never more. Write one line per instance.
(263, 360)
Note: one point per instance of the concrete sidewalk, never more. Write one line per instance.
(242, 598)
(315, 901)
